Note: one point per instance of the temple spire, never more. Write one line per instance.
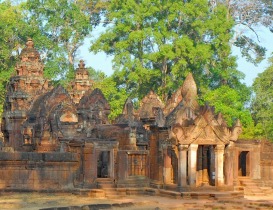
(189, 90)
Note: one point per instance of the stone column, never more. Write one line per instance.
(205, 175)
(167, 165)
(192, 160)
(219, 165)
(229, 164)
(63, 146)
(87, 152)
(111, 171)
(255, 159)
(235, 160)
(199, 167)
(182, 165)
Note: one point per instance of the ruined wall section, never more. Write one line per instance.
(38, 171)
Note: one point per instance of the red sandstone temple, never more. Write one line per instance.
(58, 139)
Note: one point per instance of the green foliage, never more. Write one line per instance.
(155, 45)
(252, 51)
(96, 75)
(248, 17)
(262, 104)
(63, 25)
(13, 36)
(253, 132)
(230, 103)
(115, 96)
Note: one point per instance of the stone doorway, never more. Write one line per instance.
(103, 165)
(205, 165)
(244, 163)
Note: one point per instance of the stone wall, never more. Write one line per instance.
(267, 160)
(38, 171)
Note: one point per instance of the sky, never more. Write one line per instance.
(102, 62)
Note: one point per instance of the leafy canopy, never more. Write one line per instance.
(262, 104)
(156, 43)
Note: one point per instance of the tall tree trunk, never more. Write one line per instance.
(164, 69)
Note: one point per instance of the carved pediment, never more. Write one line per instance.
(94, 100)
(68, 117)
(173, 101)
(148, 106)
(205, 129)
(94, 107)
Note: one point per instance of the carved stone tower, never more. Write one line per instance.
(81, 84)
(22, 89)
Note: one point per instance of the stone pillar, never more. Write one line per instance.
(219, 165)
(63, 146)
(182, 165)
(192, 161)
(87, 168)
(205, 175)
(255, 159)
(167, 165)
(199, 167)
(111, 171)
(229, 164)
(235, 166)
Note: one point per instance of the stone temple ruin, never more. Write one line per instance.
(58, 139)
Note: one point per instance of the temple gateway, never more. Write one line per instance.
(58, 139)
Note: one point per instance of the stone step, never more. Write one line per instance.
(266, 188)
(238, 188)
(249, 185)
(169, 193)
(96, 193)
(105, 185)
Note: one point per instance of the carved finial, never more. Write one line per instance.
(81, 64)
(220, 120)
(29, 43)
(236, 130)
(237, 124)
(189, 87)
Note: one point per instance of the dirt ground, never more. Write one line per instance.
(31, 201)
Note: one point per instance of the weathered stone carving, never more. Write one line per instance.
(22, 90)
(81, 83)
(149, 105)
(128, 115)
(93, 108)
(236, 131)
(52, 117)
(187, 109)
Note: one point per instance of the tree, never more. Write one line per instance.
(248, 16)
(230, 103)
(14, 32)
(63, 25)
(114, 95)
(155, 44)
(262, 104)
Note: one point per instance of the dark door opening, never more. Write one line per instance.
(206, 164)
(174, 168)
(103, 164)
(243, 165)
